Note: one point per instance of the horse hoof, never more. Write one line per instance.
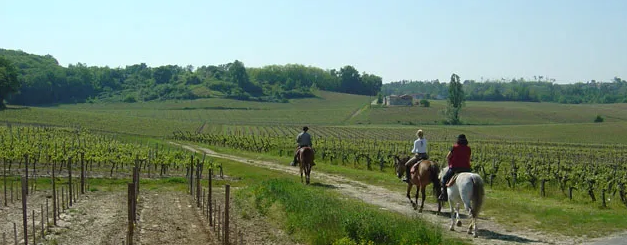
(452, 229)
(475, 235)
(469, 231)
(420, 211)
(459, 223)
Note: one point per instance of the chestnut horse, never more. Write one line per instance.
(305, 160)
(422, 174)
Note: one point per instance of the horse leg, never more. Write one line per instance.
(422, 204)
(301, 174)
(409, 185)
(439, 208)
(459, 219)
(308, 173)
(472, 222)
(453, 215)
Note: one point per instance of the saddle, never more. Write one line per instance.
(452, 180)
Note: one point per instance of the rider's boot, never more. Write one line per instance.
(407, 178)
(293, 163)
(443, 196)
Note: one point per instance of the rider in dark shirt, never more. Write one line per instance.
(302, 140)
(458, 161)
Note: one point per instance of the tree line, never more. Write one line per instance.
(41, 80)
(539, 90)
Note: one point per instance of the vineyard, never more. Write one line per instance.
(595, 171)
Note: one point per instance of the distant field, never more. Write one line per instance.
(328, 109)
(496, 113)
(349, 116)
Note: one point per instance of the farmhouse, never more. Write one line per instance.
(396, 100)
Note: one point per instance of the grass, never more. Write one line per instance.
(516, 209)
(523, 208)
(496, 113)
(314, 215)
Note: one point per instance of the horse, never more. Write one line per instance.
(467, 189)
(421, 175)
(305, 160)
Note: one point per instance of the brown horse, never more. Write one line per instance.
(305, 161)
(422, 174)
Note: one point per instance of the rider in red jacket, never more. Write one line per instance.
(458, 161)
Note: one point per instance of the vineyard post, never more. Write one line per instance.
(131, 197)
(191, 175)
(198, 176)
(14, 233)
(226, 214)
(210, 176)
(34, 230)
(47, 213)
(82, 173)
(42, 220)
(24, 211)
(69, 171)
(54, 195)
(26, 172)
(4, 173)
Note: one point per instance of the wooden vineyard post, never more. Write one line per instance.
(131, 219)
(209, 197)
(54, 196)
(24, 211)
(25, 173)
(4, 172)
(69, 172)
(34, 229)
(226, 214)
(42, 220)
(82, 173)
(198, 176)
(14, 233)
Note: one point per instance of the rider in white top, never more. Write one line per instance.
(420, 151)
(420, 146)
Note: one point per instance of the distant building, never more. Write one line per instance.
(398, 100)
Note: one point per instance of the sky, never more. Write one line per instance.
(566, 40)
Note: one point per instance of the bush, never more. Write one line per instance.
(130, 99)
(599, 119)
(425, 103)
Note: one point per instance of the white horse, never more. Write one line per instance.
(467, 189)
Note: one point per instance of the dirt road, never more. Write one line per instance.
(489, 231)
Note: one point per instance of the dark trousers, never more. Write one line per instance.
(452, 171)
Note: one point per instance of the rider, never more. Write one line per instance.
(302, 140)
(420, 151)
(458, 162)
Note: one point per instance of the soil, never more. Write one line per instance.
(490, 232)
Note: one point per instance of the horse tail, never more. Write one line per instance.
(477, 194)
(434, 173)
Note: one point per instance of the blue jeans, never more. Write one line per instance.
(451, 171)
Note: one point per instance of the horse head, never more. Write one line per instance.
(399, 165)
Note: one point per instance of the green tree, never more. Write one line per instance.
(455, 100)
(8, 80)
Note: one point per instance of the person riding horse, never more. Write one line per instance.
(302, 140)
(458, 162)
(420, 151)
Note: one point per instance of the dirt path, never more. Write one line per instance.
(489, 231)
(97, 218)
(168, 218)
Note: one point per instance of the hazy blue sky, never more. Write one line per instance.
(569, 40)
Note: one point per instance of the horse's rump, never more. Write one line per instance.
(478, 194)
(306, 155)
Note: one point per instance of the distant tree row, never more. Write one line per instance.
(43, 81)
(614, 91)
